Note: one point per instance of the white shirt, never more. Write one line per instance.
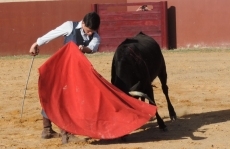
(64, 30)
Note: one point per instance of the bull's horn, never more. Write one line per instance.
(134, 87)
(140, 94)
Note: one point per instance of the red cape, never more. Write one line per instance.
(79, 100)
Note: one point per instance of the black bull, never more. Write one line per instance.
(136, 63)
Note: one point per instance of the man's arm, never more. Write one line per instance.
(85, 49)
(64, 29)
(93, 45)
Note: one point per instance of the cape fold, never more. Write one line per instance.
(79, 100)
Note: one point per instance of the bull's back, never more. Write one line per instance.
(151, 54)
(137, 58)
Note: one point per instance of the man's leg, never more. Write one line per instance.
(68, 137)
(48, 132)
(64, 136)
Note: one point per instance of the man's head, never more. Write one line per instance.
(143, 6)
(91, 23)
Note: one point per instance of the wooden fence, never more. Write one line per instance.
(120, 21)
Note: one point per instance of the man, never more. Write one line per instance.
(143, 8)
(84, 35)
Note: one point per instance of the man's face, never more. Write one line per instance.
(87, 30)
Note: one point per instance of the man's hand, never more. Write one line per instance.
(81, 47)
(85, 49)
(34, 49)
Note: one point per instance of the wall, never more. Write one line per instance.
(197, 23)
(191, 23)
(127, 23)
(21, 23)
(9, 1)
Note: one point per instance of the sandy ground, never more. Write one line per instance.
(198, 83)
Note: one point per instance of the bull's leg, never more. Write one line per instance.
(160, 121)
(163, 78)
(172, 112)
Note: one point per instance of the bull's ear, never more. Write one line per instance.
(129, 40)
(140, 33)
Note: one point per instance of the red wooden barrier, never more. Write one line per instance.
(118, 23)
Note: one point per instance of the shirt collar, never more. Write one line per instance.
(79, 25)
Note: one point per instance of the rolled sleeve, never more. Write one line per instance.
(94, 43)
(64, 29)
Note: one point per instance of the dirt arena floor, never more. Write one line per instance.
(199, 88)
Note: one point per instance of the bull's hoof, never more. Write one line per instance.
(165, 129)
(173, 118)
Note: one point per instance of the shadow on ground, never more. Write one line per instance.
(183, 128)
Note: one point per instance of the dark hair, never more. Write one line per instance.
(143, 6)
(92, 20)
